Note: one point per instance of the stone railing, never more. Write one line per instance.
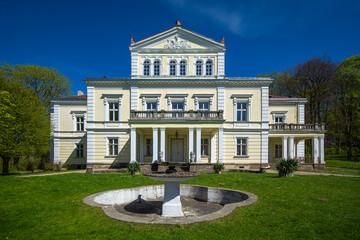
(185, 115)
(297, 127)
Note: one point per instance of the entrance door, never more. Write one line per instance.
(177, 150)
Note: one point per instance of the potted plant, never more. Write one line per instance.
(286, 168)
(218, 167)
(134, 167)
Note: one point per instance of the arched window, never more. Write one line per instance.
(172, 68)
(147, 67)
(209, 68)
(198, 68)
(183, 68)
(157, 67)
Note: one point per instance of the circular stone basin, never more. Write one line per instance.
(143, 204)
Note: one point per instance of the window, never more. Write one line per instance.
(113, 146)
(204, 106)
(198, 68)
(208, 68)
(279, 120)
(79, 123)
(151, 106)
(149, 147)
(183, 68)
(178, 106)
(113, 112)
(241, 147)
(79, 150)
(147, 67)
(241, 109)
(278, 151)
(157, 67)
(172, 68)
(204, 147)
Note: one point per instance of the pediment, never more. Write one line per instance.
(177, 39)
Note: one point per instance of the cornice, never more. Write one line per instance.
(69, 102)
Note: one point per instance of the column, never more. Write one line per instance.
(212, 149)
(191, 143)
(198, 145)
(291, 148)
(221, 146)
(141, 142)
(132, 144)
(162, 143)
(284, 147)
(300, 149)
(315, 150)
(155, 145)
(321, 150)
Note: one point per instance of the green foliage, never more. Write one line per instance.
(47, 83)
(134, 167)
(303, 207)
(287, 166)
(218, 167)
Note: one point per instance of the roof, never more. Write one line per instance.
(283, 99)
(73, 97)
(277, 96)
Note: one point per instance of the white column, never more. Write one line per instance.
(162, 143)
(90, 106)
(191, 142)
(134, 90)
(212, 153)
(141, 142)
(198, 145)
(291, 148)
(321, 150)
(221, 146)
(74, 122)
(300, 151)
(315, 150)
(90, 144)
(155, 145)
(132, 144)
(56, 150)
(284, 147)
(106, 109)
(264, 147)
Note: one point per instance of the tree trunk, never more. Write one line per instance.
(6, 161)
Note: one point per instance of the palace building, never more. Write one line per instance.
(178, 106)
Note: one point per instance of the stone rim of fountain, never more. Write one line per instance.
(110, 211)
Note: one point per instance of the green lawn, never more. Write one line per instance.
(302, 207)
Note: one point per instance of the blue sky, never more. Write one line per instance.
(90, 38)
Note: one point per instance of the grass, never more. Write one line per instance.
(302, 207)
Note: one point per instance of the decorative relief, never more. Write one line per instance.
(176, 44)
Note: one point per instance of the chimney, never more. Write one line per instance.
(80, 93)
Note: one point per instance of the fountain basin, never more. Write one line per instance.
(228, 199)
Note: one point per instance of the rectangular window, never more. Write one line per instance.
(149, 147)
(79, 150)
(80, 123)
(204, 106)
(113, 146)
(279, 120)
(204, 147)
(113, 112)
(178, 106)
(151, 106)
(278, 151)
(241, 147)
(241, 109)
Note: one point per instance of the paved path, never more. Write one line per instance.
(58, 173)
(314, 173)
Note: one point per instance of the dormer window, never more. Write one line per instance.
(157, 67)
(209, 71)
(182, 67)
(172, 68)
(198, 68)
(147, 67)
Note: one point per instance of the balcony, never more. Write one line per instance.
(177, 115)
(318, 127)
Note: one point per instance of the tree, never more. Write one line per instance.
(47, 83)
(347, 101)
(24, 123)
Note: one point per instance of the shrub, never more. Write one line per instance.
(134, 167)
(287, 167)
(30, 166)
(57, 167)
(218, 167)
(48, 167)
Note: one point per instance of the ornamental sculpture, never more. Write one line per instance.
(176, 44)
